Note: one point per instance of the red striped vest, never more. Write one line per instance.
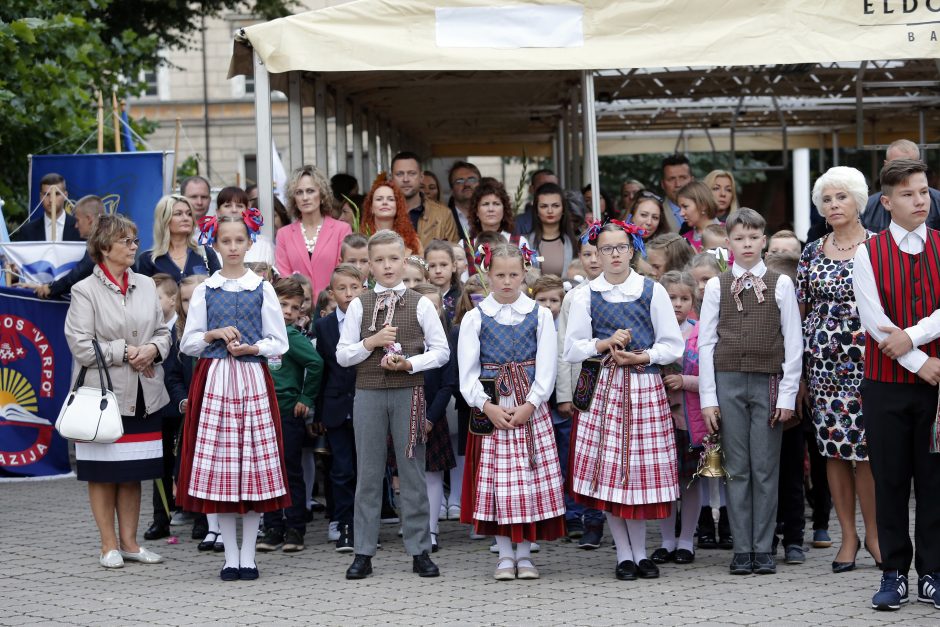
(909, 289)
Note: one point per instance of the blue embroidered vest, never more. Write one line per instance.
(606, 318)
(505, 343)
(234, 309)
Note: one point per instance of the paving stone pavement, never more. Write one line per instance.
(52, 577)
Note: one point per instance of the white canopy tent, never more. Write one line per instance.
(497, 70)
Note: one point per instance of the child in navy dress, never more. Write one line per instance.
(231, 453)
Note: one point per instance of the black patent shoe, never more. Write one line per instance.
(209, 542)
(423, 565)
(360, 568)
(246, 573)
(844, 567)
(684, 556)
(662, 556)
(646, 569)
(157, 531)
(626, 571)
(230, 574)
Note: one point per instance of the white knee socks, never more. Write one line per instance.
(637, 531)
(435, 484)
(691, 506)
(229, 538)
(618, 529)
(456, 482)
(250, 523)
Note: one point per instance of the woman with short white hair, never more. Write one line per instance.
(834, 342)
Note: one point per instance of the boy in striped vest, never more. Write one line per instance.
(897, 284)
(750, 352)
(391, 334)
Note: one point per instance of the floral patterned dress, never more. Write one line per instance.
(834, 352)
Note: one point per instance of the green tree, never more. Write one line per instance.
(58, 53)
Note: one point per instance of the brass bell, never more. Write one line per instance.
(321, 446)
(710, 462)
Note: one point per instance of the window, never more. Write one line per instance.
(251, 168)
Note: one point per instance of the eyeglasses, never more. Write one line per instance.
(470, 180)
(609, 250)
(129, 241)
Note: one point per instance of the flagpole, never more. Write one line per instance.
(176, 149)
(116, 116)
(53, 190)
(100, 123)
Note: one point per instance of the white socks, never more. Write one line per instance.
(691, 505)
(213, 524)
(250, 523)
(524, 552)
(637, 531)
(435, 485)
(504, 544)
(618, 529)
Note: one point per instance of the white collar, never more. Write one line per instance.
(60, 217)
(522, 305)
(398, 289)
(172, 321)
(247, 281)
(898, 232)
(633, 281)
(340, 315)
(757, 270)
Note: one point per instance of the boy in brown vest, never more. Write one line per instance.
(750, 350)
(897, 286)
(391, 334)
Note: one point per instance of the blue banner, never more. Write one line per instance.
(35, 370)
(129, 182)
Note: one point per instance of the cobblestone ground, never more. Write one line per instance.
(51, 575)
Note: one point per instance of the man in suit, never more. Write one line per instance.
(876, 218)
(335, 403)
(52, 193)
(86, 213)
(431, 220)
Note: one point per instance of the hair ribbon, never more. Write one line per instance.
(253, 220)
(208, 227)
(483, 257)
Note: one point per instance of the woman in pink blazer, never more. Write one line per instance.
(311, 244)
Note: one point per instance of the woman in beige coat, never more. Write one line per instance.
(120, 309)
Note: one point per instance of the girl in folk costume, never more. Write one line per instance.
(507, 351)
(231, 451)
(625, 451)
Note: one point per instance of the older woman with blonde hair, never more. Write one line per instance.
(119, 310)
(175, 251)
(311, 244)
(725, 192)
(834, 345)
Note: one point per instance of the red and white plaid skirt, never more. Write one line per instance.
(649, 446)
(509, 489)
(231, 457)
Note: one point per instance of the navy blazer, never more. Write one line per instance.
(177, 374)
(338, 385)
(35, 231)
(195, 264)
(440, 384)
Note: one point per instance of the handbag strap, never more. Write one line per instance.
(103, 372)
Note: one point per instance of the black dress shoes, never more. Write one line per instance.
(360, 568)
(230, 573)
(246, 573)
(646, 569)
(661, 556)
(626, 571)
(156, 531)
(209, 542)
(423, 565)
(683, 556)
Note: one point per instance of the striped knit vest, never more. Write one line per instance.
(909, 289)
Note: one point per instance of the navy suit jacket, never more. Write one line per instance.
(338, 386)
(35, 231)
(440, 384)
(177, 374)
(877, 218)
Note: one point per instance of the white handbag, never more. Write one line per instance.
(91, 413)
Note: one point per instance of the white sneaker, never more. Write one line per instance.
(493, 547)
(442, 514)
(181, 518)
(453, 512)
(333, 533)
(534, 547)
(111, 559)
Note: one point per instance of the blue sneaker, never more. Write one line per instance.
(928, 589)
(893, 591)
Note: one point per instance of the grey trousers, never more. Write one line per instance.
(376, 413)
(751, 458)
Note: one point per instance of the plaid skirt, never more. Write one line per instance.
(231, 457)
(511, 482)
(626, 458)
(439, 453)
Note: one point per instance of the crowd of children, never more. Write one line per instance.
(579, 400)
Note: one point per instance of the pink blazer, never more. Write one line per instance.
(290, 254)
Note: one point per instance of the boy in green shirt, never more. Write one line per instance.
(296, 377)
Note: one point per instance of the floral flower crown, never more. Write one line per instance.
(209, 226)
(634, 232)
(484, 256)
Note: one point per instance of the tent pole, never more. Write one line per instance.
(295, 120)
(371, 130)
(386, 144)
(264, 154)
(319, 112)
(590, 136)
(560, 147)
(835, 148)
(801, 192)
(357, 144)
(575, 158)
(339, 106)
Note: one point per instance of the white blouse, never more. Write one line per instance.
(273, 340)
(468, 348)
(580, 343)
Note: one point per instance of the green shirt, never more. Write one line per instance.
(297, 374)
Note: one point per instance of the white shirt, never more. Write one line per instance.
(468, 348)
(871, 310)
(580, 343)
(273, 340)
(790, 327)
(171, 322)
(351, 350)
(567, 379)
(60, 226)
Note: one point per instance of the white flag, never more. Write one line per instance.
(43, 262)
(280, 176)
